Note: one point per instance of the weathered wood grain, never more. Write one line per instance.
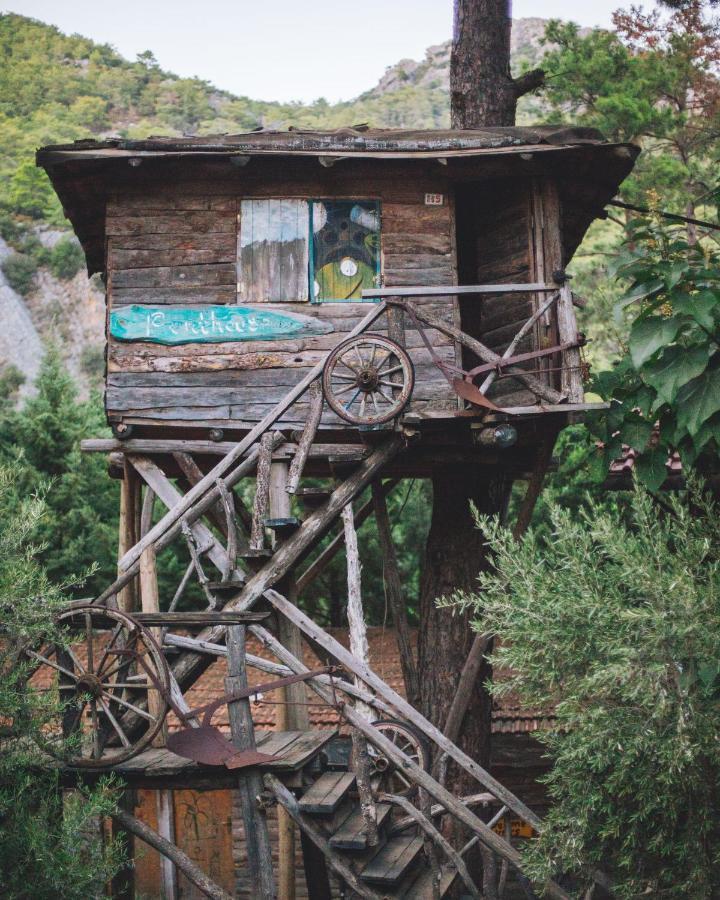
(178, 294)
(173, 223)
(170, 276)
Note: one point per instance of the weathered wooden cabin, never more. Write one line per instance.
(356, 304)
(234, 264)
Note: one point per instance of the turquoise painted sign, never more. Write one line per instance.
(209, 324)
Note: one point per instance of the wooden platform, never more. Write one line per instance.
(160, 768)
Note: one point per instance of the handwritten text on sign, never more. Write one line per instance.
(209, 324)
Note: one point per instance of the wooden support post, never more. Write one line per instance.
(128, 531)
(122, 886)
(289, 718)
(189, 869)
(166, 829)
(150, 602)
(359, 648)
(571, 382)
(323, 560)
(394, 594)
(257, 840)
(260, 505)
(308, 436)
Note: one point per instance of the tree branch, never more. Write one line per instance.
(528, 82)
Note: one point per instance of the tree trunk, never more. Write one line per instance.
(455, 554)
(482, 90)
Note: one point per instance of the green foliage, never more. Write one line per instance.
(80, 528)
(671, 371)
(66, 258)
(631, 609)
(20, 270)
(47, 849)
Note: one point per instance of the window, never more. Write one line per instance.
(298, 250)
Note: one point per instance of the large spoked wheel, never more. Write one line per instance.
(385, 776)
(368, 380)
(107, 681)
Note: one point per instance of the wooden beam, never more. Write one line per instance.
(323, 560)
(310, 532)
(454, 290)
(360, 649)
(128, 532)
(189, 869)
(395, 595)
(262, 493)
(257, 839)
(150, 601)
(166, 830)
(307, 437)
(197, 492)
(284, 450)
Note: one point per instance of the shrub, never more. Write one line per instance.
(20, 270)
(66, 258)
(613, 621)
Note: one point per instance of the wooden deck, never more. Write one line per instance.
(159, 767)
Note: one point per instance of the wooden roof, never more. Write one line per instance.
(87, 172)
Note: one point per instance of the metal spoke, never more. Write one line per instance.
(382, 393)
(137, 685)
(115, 724)
(392, 384)
(344, 377)
(355, 396)
(372, 397)
(382, 363)
(391, 371)
(356, 348)
(135, 709)
(54, 665)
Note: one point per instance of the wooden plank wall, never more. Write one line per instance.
(506, 247)
(177, 244)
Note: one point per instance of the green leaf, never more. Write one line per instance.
(676, 271)
(649, 335)
(700, 306)
(636, 431)
(709, 429)
(673, 369)
(640, 291)
(698, 400)
(651, 469)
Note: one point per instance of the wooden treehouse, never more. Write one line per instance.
(350, 306)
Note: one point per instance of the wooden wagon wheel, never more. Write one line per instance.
(110, 680)
(368, 380)
(385, 777)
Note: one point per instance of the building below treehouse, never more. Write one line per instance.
(235, 265)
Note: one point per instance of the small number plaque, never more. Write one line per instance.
(434, 199)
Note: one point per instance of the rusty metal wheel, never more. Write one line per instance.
(104, 684)
(368, 380)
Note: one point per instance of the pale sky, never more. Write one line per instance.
(280, 49)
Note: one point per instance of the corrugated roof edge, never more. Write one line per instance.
(346, 141)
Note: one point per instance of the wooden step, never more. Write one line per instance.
(312, 497)
(324, 797)
(351, 836)
(421, 888)
(259, 553)
(394, 860)
(283, 527)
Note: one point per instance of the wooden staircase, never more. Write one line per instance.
(403, 864)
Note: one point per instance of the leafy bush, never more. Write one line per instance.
(20, 271)
(66, 258)
(48, 848)
(614, 623)
(671, 374)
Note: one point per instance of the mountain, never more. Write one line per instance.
(58, 88)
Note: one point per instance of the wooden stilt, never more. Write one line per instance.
(257, 840)
(122, 886)
(166, 848)
(308, 436)
(128, 531)
(394, 593)
(359, 648)
(262, 489)
(289, 718)
(150, 602)
(166, 829)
